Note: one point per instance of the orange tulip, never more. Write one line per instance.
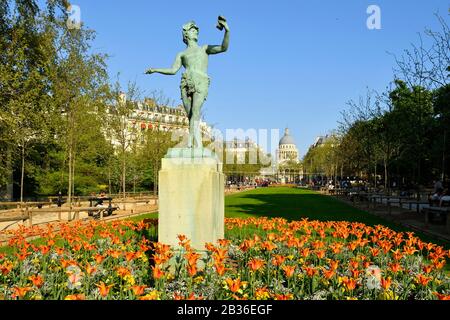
(288, 296)
(159, 259)
(277, 260)
(6, 267)
(355, 273)
(223, 242)
(354, 264)
(234, 285)
(320, 254)
(191, 269)
(130, 256)
(353, 245)
(210, 247)
(386, 283)
(38, 281)
(310, 271)
(220, 268)
(439, 264)
(66, 263)
(157, 272)
(395, 267)
(288, 270)
(90, 269)
(220, 255)
(114, 253)
(256, 264)
(262, 293)
(123, 272)
(334, 264)
(350, 284)
(103, 288)
(423, 280)
(192, 258)
(247, 245)
(78, 296)
(427, 269)
(138, 290)
(304, 252)
(20, 292)
(336, 247)
(328, 274)
(44, 249)
(409, 250)
(98, 258)
(441, 296)
(182, 238)
(268, 245)
(397, 254)
(374, 251)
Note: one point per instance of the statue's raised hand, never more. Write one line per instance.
(150, 71)
(222, 23)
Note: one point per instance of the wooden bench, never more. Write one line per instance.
(416, 202)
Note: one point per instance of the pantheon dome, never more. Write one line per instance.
(287, 150)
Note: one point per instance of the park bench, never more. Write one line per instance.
(430, 212)
(103, 210)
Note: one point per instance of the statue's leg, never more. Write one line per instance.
(187, 103)
(197, 102)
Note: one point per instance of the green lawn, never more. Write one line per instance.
(295, 204)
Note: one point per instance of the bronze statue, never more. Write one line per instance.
(195, 81)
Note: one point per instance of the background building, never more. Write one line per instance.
(287, 150)
(289, 169)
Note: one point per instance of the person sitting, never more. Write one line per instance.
(438, 186)
(99, 200)
(445, 199)
(434, 199)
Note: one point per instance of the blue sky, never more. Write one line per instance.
(290, 63)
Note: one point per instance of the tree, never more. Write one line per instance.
(124, 135)
(156, 144)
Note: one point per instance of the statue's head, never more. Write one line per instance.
(190, 31)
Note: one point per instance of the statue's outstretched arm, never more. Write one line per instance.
(213, 49)
(170, 71)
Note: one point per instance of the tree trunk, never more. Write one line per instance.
(124, 168)
(73, 173)
(443, 157)
(22, 174)
(69, 190)
(109, 178)
(155, 181)
(375, 176)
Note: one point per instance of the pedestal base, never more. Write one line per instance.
(191, 198)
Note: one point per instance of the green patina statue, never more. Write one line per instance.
(195, 80)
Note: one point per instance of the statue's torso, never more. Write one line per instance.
(195, 59)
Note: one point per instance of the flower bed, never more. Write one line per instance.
(261, 259)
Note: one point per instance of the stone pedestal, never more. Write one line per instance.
(191, 197)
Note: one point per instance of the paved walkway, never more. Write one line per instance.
(402, 215)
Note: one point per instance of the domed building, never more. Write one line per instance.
(287, 150)
(289, 169)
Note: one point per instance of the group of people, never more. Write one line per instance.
(440, 196)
